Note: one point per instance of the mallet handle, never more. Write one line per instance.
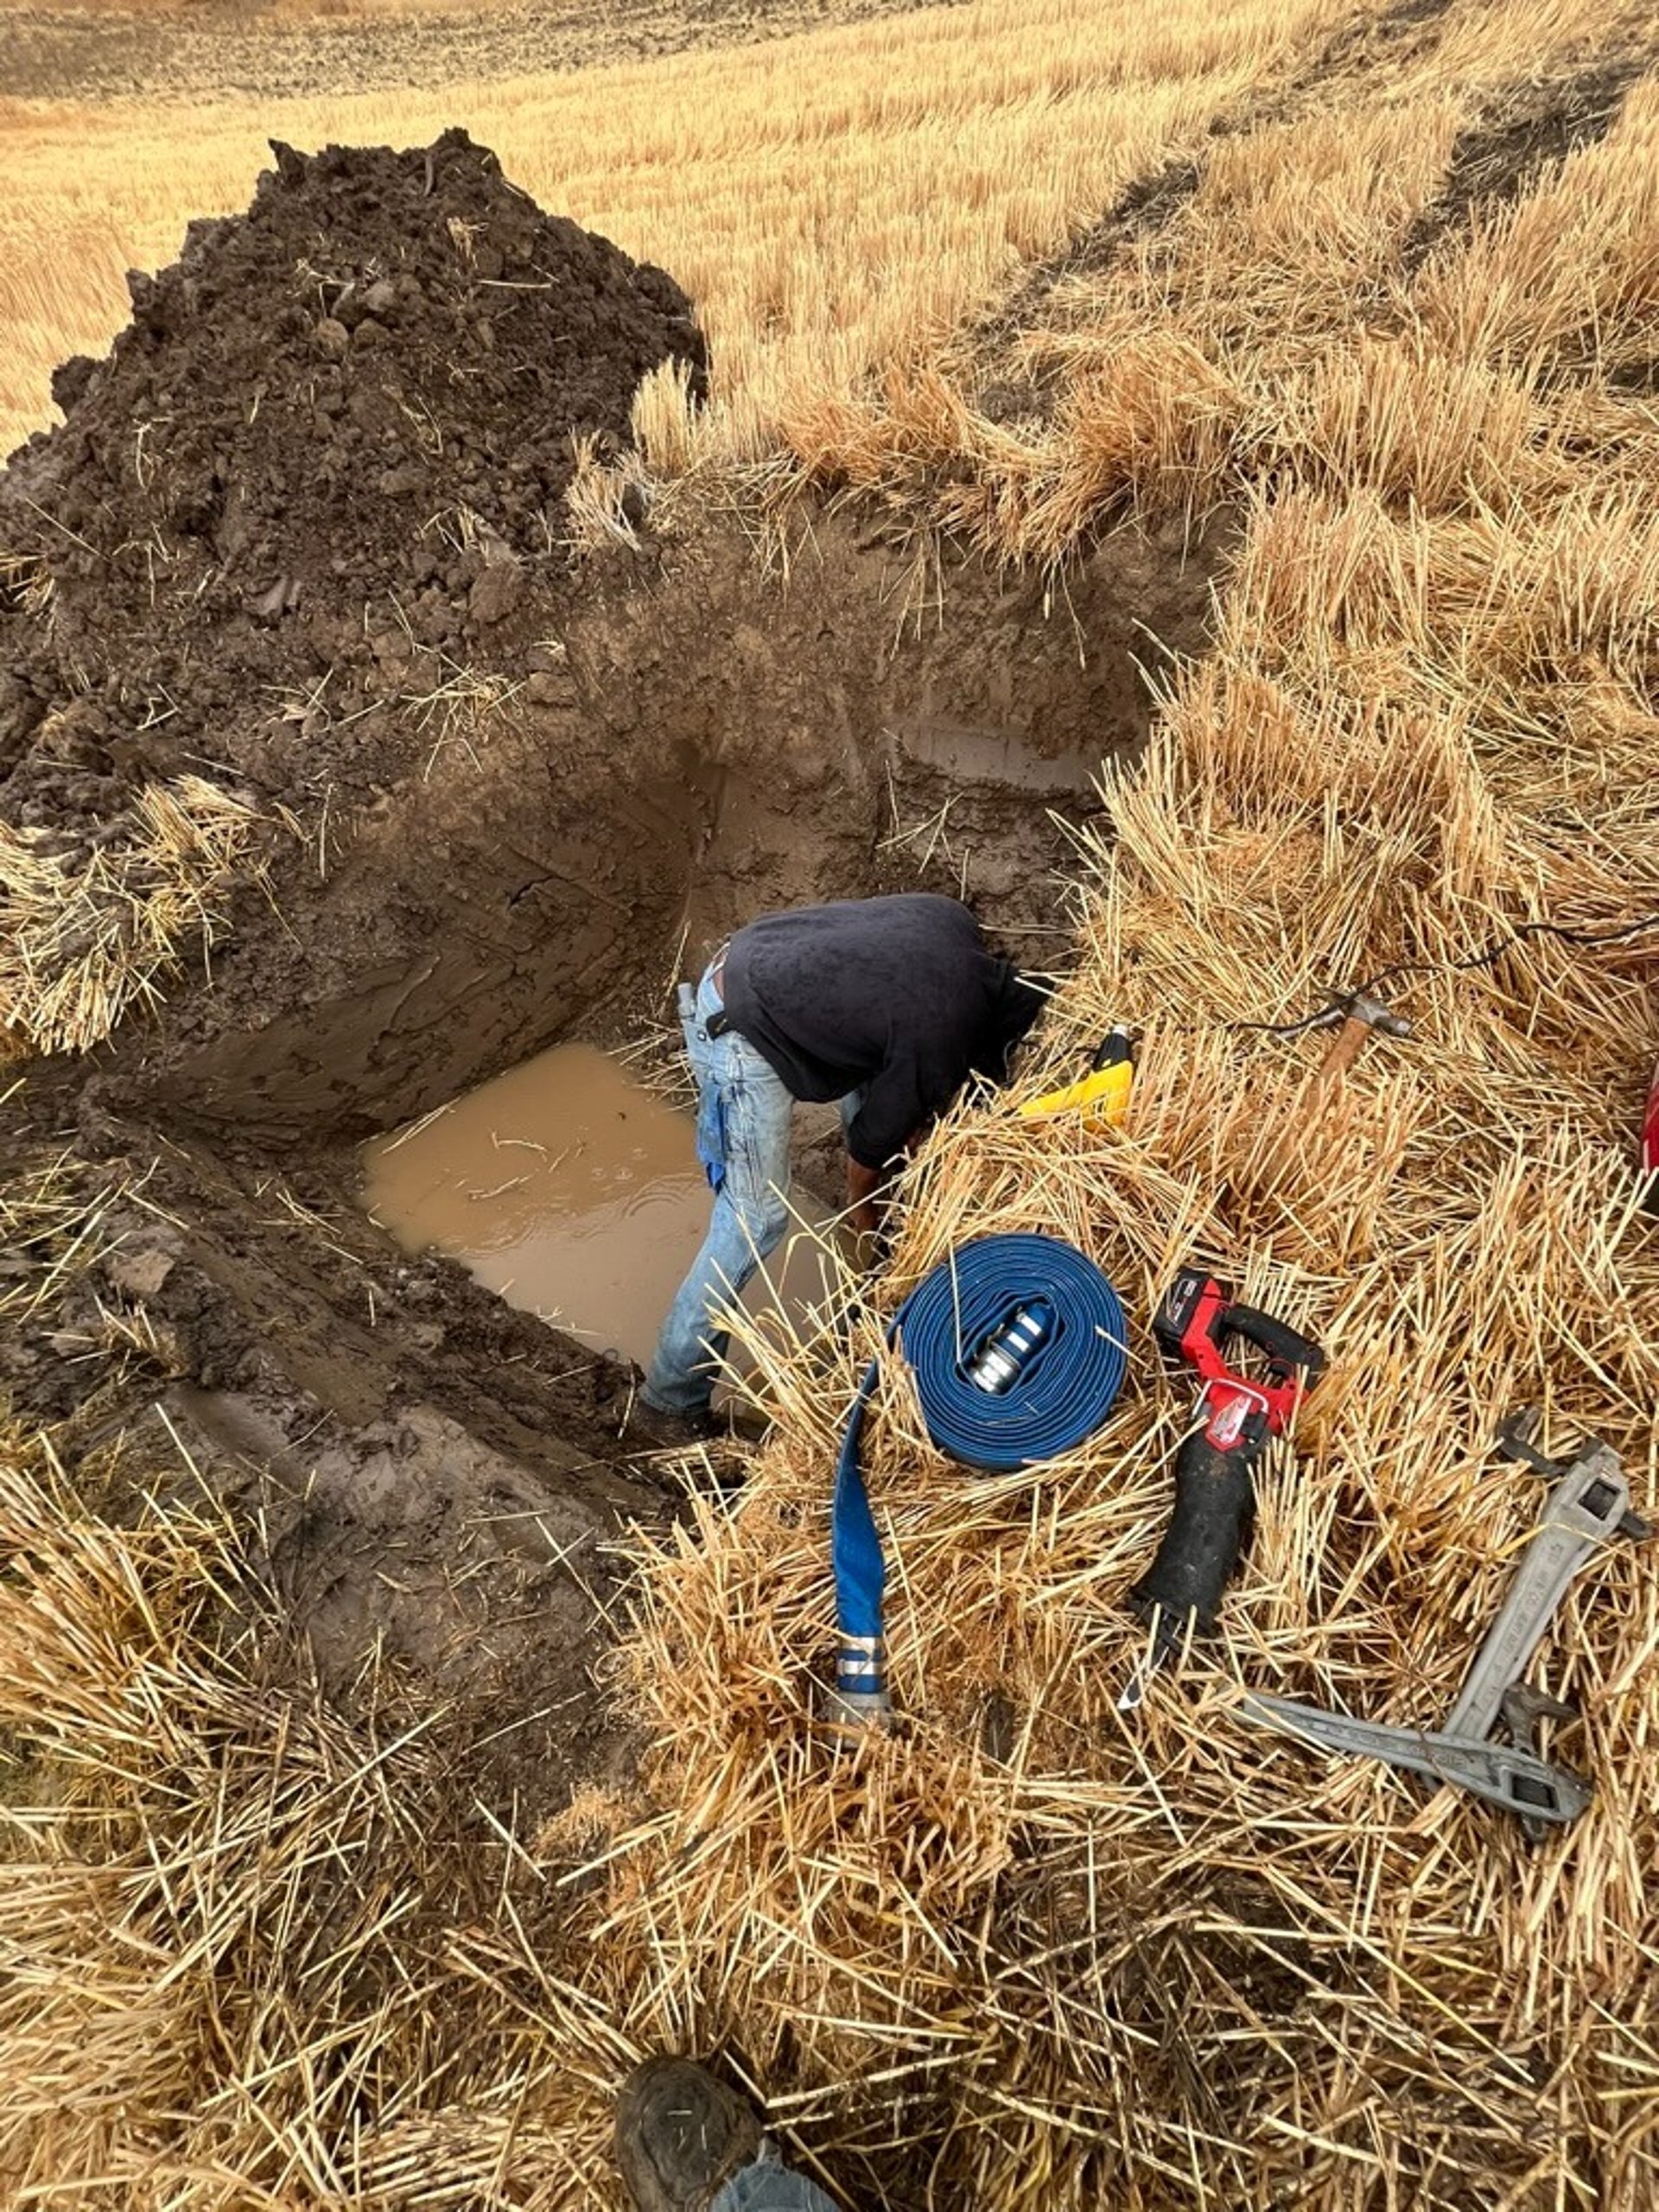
(1344, 1050)
(1340, 1055)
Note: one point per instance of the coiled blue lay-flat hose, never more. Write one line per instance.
(1062, 1394)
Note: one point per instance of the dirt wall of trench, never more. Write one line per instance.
(687, 740)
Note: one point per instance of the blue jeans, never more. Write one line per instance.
(743, 1115)
(765, 2187)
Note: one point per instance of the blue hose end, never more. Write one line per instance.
(860, 1665)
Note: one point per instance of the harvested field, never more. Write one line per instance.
(400, 1746)
(287, 49)
(943, 148)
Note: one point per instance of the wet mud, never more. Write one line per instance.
(573, 1192)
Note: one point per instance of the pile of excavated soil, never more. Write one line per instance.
(339, 426)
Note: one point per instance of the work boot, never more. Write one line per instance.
(666, 1428)
(681, 2135)
(706, 1424)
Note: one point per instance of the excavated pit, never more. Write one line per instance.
(507, 796)
(710, 743)
(437, 1476)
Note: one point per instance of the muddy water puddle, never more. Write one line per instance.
(574, 1193)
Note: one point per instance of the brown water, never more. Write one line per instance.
(577, 1194)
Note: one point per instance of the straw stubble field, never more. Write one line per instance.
(832, 209)
(1031, 1952)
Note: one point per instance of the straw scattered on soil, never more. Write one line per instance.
(84, 935)
(1164, 1959)
(1036, 1953)
(248, 1947)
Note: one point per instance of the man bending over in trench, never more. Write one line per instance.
(888, 1005)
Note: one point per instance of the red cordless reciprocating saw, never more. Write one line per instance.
(1215, 1489)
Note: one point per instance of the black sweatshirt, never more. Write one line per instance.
(897, 997)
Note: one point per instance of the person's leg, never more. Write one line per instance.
(768, 2187)
(744, 1118)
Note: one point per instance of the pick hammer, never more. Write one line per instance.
(1355, 1019)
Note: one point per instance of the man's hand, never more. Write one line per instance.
(863, 1204)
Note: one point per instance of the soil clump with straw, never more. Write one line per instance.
(322, 473)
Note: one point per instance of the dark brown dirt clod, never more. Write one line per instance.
(389, 354)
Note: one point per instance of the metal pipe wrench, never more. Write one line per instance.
(1588, 1501)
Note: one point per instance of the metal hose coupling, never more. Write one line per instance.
(860, 1699)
